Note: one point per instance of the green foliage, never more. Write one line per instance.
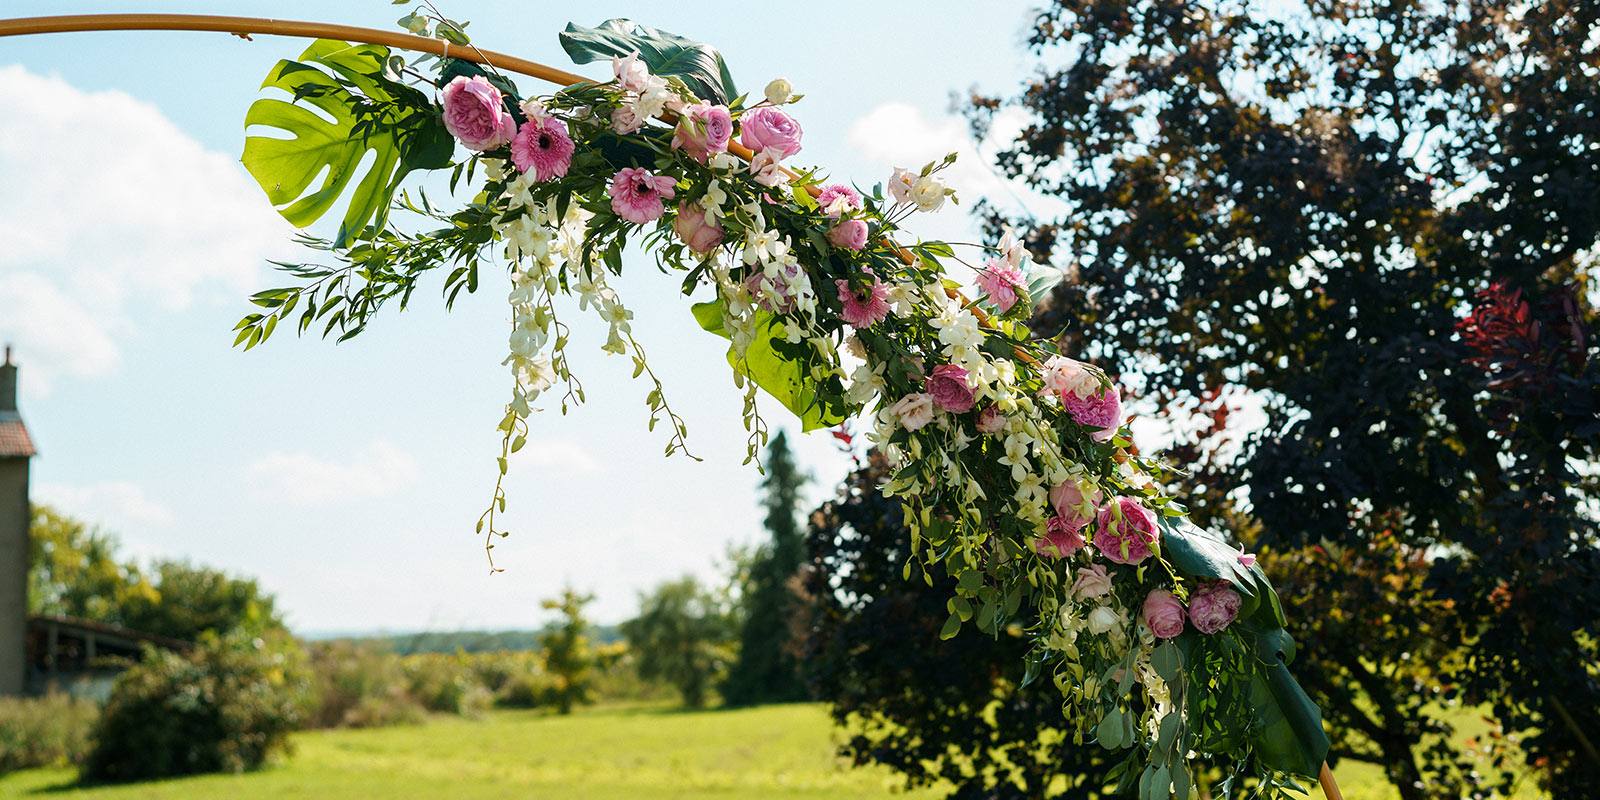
(698, 65)
(370, 113)
(765, 671)
(787, 379)
(190, 601)
(681, 636)
(226, 707)
(445, 684)
(49, 731)
(568, 657)
(358, 687)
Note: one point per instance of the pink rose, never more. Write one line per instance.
(636, 195)
(838, 199)
(1000, 281)
(697, 228)
(948, 386)
(543, 147)
(901, 184)
(475, 114)
(768, 128)
(1125, 541)
(864, 312)
(914, 411)
(1060, 539)
(990, 420)
(765, 169)
(1213, 606)
(625, 120)
(1163, 612)
(632, 74)
(1068, 499)
(1102, 411)
(850, 234)
(703, 130)
(1092, 582)
(1063, 376)
(774, 294)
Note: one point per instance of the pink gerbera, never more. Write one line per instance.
(839, 199)
(1000, 281)
(543, 147)
(636, 194)
(864, 312)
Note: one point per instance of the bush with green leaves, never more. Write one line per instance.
(44, 731)
(359, 686)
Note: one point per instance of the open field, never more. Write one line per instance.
(608, 752)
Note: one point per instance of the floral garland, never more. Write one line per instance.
(1011, 458)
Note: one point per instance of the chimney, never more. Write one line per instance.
(8, 383)
(16, 448)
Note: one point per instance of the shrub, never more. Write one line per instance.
(358, 686)
(445, 684)
(225, 707)
(45, 731)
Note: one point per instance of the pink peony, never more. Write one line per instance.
(864, 313)
(913, 411)
(697, 228)
(1163, 612)
(1126, 541)
(837, 199)
(1000, 281)
(768, 128)
(636, 195)
(1213, 606)
(703, 130)
(948, 386)
(780, 300)
(475, 114)
(1092, 582)
(1068, 500)
(991, 420)
(1060, 539)
(543, 147)
(1102, 411)
(850, 234)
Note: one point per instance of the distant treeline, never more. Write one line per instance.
(463, 641)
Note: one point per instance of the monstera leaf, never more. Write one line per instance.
(1288, 733)
(1203, 554)
(700, 66)
(369, 114)
(783, 378)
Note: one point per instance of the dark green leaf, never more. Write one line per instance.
(699, 65)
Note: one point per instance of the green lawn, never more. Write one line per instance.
(606, 752)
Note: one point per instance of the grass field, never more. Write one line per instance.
(606, 752)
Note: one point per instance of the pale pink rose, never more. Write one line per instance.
(543, 147)
(632, 74)
(1062, 375)
(1069, 499)
(766, 170)
(1000, 281)
(849, 235)
(779, 298)
(698, 229)
(901, 184)
(1060, 539)
(1093, 581)
(913, 411)
(636, 195)
(1126, 541)
(475, 113)
(1102, 411)
(769, 128)
(990, 420)
(1163, 612)
(837, 199)
(948, 386)
(1213, 606)
(703, 131)
(625, 120)
(864, 312)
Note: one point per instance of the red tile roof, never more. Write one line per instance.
(14, 441)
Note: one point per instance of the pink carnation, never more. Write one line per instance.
(948, 386)
(1000, 281)
(475, 114)
(991, 420)
(636, 195)
(1068, 499)
(1102, 410)
(698, 229)
(1163, 612)
(1213, 606)
(867, 312)
(850, 234)
(703, 130)
(1060, 539)
(768, 128)
(543, 147)
(1126, 541)
(838, 199)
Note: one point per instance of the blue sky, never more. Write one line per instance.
(347, 478)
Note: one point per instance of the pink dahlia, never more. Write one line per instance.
(1128, 540)
(1000, 281)
(1102, 411)
(864, 312)
(543, 147)
(1213, 606)
(475, 113)
(948, 386)
(1060, 539)
(636, 195)
(837, 199)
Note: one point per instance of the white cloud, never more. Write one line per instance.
(563, 455)
(108, 213)
(305, 479)
(116, 505)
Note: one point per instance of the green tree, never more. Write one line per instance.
(567, 653)
(1377, 219)
(74, 571)
(765, 671)
(681, 636)
(192, 600)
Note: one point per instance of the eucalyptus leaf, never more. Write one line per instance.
(1166, 661)
(1109, 732)
(698, 65)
